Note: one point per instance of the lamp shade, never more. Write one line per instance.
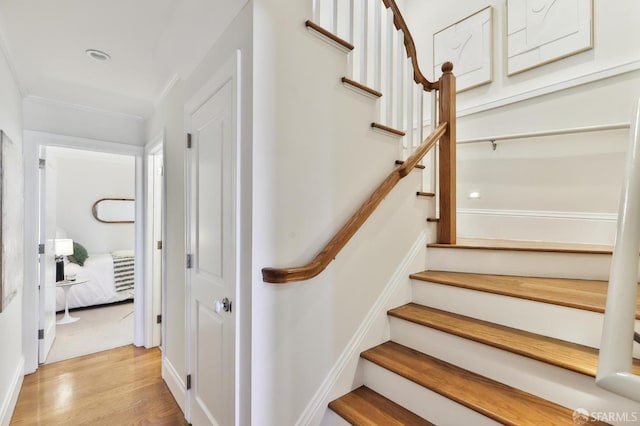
(63, 246)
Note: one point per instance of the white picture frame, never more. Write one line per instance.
(468, 44)
(544, 31)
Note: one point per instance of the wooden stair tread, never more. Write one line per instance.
(572, 356)
(516, 245)
(368, 408)
(328, 34)
(361, 87)
(395, 132)
(495, 400)
(579, 294)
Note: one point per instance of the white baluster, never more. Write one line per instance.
(334, 21)
(409, 105)
(357, 38)
(364, 42)
(420, 113)
(383, 59)
(316, 11)
(401, 92)
(435, 94)
(342, 18)
(392, 35)
(326, 12)
(351, 22)
(377, 44)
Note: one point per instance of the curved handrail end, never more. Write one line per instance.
(287, 275)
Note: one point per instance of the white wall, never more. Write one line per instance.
(316, 161)
(170, 117)
(51, 116)
(83, 177)
(11, 352)
(553, 188)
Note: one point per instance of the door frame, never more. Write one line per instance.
(32, 142)
(154, 147)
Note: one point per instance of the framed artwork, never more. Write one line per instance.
(543, 31)
(11, 223)
(468, 44)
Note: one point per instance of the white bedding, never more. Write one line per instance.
(100, 289)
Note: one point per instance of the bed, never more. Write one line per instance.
(110, 278)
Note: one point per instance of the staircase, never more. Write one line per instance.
(479, 348)
(497, 332)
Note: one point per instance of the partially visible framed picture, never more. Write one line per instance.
(543, 31)
(11, 222)
(468, 44)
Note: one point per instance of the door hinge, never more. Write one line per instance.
(40, 248)
(42, 163)
(189, 261)
(41, 334)
(188, 140)
(159, 245)
(158, 319)
(188, 381)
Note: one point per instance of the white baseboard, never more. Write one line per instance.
(175, 383)
(11, 398)
(348, 359)
(551, 226)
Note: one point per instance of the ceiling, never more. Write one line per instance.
(151, 42)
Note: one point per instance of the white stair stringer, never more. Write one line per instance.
(564, 387)
(585, 266)
(560, 322)
(420, 400)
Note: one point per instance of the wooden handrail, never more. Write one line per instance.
(340, 239)
(409, 45)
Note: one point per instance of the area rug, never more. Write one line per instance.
(98, 329)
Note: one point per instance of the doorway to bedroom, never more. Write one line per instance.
(90, 198)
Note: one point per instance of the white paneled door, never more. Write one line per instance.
(211, 123)
(47, 267)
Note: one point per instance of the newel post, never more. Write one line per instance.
(447, 157)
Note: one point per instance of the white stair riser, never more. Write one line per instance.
(572, 325)
(564, 387)
(529, 264)
(423, 402)
(332, 419)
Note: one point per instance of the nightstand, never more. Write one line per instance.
(66, 285)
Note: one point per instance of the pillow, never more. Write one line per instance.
(123, 253)
(79, 254)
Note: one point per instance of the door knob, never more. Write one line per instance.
(222, 305)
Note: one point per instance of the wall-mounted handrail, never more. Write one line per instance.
(556, 132)
(616, 348)
(410, 46)
(340, 239)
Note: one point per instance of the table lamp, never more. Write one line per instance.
(63, 247)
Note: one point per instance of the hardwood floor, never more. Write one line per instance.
(121, 386)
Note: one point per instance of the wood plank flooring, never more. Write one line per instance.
(122, 386)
